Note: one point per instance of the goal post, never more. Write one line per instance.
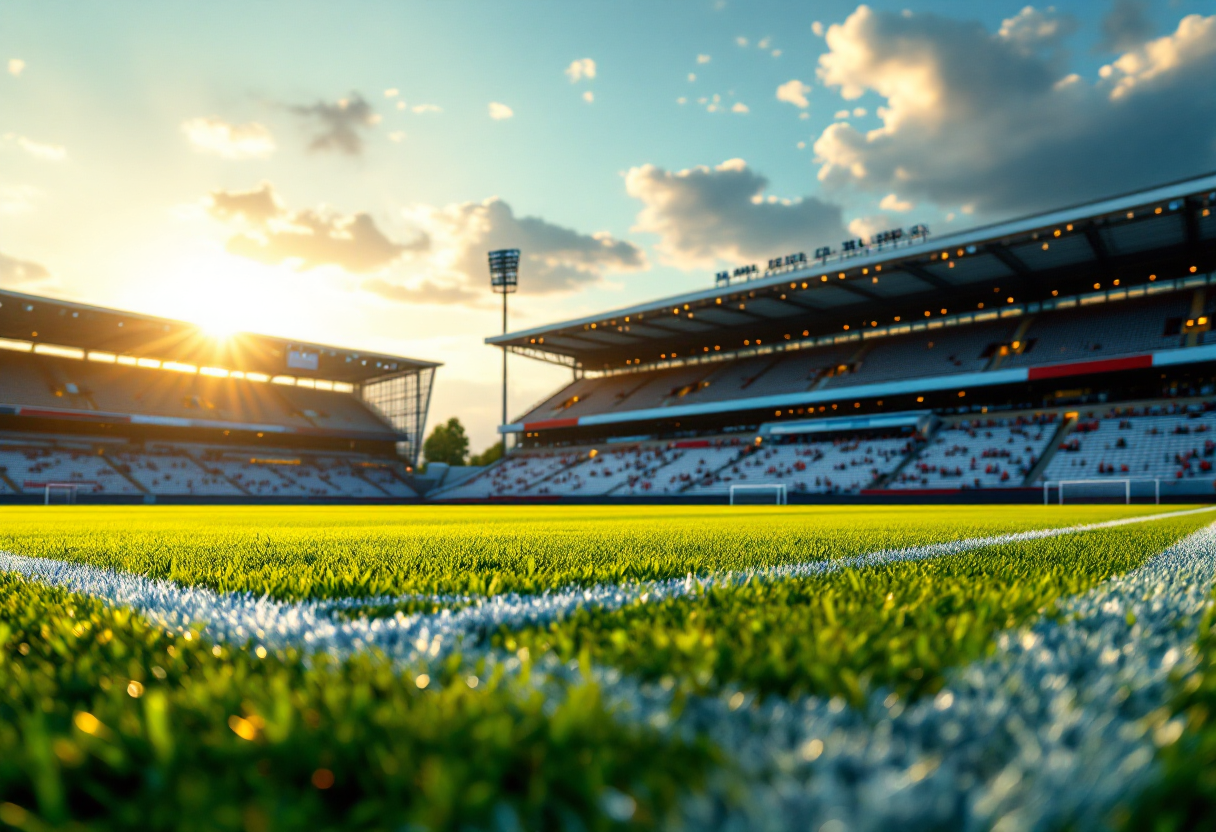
(1124, 482)
(756, 494)
(60, 493)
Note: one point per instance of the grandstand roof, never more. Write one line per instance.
(1027, 257)
(47, 321)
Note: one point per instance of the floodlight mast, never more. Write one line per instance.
(504, 278)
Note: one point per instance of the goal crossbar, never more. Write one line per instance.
(777, 488)
(68, 488)
(1125, 481)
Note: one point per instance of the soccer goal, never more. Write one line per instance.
(758, 495)
(61, 493)
(1112, 488)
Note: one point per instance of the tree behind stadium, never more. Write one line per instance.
(447, 443)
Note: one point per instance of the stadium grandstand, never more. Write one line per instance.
(105, 405)
(1072, 345)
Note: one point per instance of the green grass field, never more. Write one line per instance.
(109, 721)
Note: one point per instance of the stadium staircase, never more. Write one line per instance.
(217, 472)
(763, 371)
(1019, 335)
(1065, 428)
(886, 479)
(361, 476)
(125, 474)
(713, 475)
(1197, 309)
(7, 480)
(584, 458)
(624, 483)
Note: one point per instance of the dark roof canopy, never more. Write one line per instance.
(80, 326)
(1171, 228)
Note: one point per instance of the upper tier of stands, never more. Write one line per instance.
(1115, 328)
(46, 381)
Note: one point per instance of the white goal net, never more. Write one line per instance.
(758, 495)
(61, 493)
(1103, 490)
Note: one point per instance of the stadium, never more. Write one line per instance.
(908, 523)
(1071, 345)
(109, 406)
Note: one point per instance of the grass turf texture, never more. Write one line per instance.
(1184, 797)
(899, 626)
(230, 741)
(106, 723)
(327, 552)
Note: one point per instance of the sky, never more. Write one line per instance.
(336, 172)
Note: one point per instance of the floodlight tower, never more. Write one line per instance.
(504, 277)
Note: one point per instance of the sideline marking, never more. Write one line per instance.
(238, 618)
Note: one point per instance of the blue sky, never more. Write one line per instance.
(242, 164)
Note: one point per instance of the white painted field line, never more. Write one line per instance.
(241, 617)
(1048, 733)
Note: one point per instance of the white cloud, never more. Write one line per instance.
(705, 215)
(392, 92)
(998, 121)
(589, 96)
(553, 258)
(681, 100)
(14, 271)
(739, 107)
(817, 29)
(802, 145)
(794, 92)
(230, 141)
(742, 41)
(500, 111)
(307, 239)
(426, 108)
(776, 53)
(859, 112)
(703, 59)
(765, 43)
(15, 66)
(841, 114)
(1193, 43)
(397, 136)
(580, 69)
(804, 115)
(864, 228)
(692, 76)
(39, 150)
(891, 202)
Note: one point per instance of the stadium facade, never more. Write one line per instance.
(1071, 345)
(103, 404)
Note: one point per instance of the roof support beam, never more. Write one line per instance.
(1023, 272)
(1097, 244)
(921, 273)
(1191, 212)
(542, 355)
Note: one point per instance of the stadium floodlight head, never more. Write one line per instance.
(504, 270)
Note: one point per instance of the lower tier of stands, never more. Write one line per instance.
(28, 466)
(1163, 442)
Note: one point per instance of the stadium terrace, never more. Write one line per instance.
(102, 403)
(1071, 345)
